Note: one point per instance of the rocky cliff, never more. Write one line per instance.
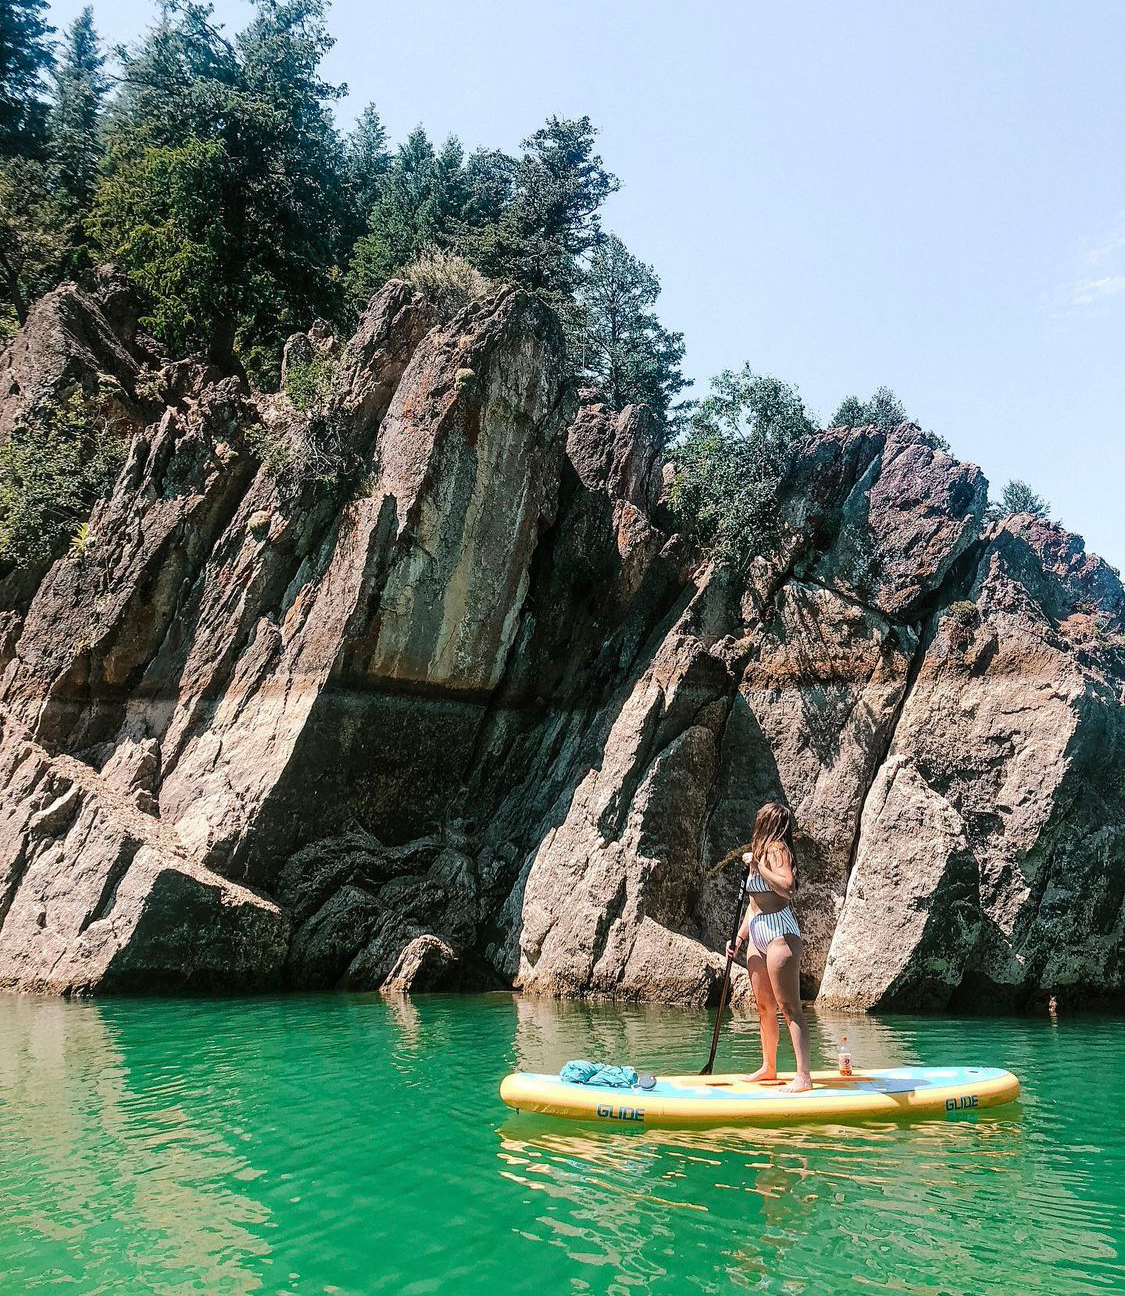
(415, 687)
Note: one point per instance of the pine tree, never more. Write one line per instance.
(288, 163)
(423, 200)
(39, 220)
(224, 194)
(74, 122)
(177, 85)
(448, 195)
(35, 238)
(164, 209)
(490, 186)
(25, 55)
(729, 465)
(884, 410)
(392, 236)
(1018, 497)
(367, 161)
(619, 343)
(539, 238)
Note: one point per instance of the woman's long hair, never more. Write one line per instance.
(773, 823)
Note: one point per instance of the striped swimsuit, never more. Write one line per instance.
(765, 927)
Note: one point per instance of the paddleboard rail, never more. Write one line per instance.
(688, 1100)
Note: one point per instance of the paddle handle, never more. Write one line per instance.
(725, 988)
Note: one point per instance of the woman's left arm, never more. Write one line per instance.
(779, 870)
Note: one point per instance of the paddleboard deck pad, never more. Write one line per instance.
(735, 1100)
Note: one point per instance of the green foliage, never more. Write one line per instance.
(74, 123)
(619, 344)
(422, 197)
(52, 469)
(1018, 497)
(36, 226)
(82, 541)
(309, 448)
(288, 168)
(271, 446)
(177, 84)
(155, 212)
(308, 383)
(36, 235)
(551, 222)
(447, 280)
(215, 177)
(307, 444)
(25, 55)
(239, 247)
(884, 410)
(730, 462)
(367, 159)
(489, 186)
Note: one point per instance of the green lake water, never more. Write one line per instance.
(348, 1144)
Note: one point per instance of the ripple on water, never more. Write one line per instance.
(351, 1144)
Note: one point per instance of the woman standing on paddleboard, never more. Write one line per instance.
(772, 939)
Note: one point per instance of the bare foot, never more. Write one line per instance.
(799, 1084)
(763, 1073)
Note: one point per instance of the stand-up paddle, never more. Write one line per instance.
(726, 973)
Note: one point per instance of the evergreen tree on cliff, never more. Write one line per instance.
(729, 464)
(367, 161)
(884, 410)
(1018, 497)
(618, 342)
(290, 166)
(224, 193)
(165, 208)
(177, 83)
(36, 224)
(25, 56)
(35, 238)
(490, 186)
(422, 196)
(74, 123)
(552, 221)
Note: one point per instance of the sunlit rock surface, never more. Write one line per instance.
(416, 689)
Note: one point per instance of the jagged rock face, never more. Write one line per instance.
(416, 690)
(990, 863)
(96, 893)
(69, 344)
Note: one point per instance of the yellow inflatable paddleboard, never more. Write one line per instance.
(734, 1100)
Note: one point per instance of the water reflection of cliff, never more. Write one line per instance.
(108, 1185)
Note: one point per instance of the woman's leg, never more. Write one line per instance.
(783, 959)
(767, 1015)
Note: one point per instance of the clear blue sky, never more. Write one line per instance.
(930, 196)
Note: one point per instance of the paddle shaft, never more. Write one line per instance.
(724, 990)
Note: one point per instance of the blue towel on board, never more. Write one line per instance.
(599, 1073)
